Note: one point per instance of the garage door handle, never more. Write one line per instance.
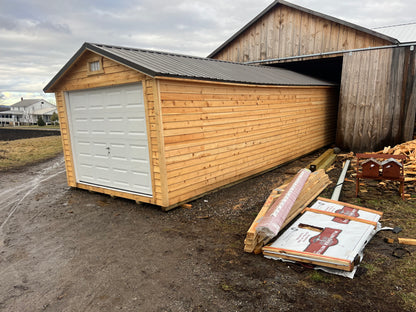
(108, 150)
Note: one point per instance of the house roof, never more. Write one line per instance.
(309, 11)
(26, 103)
(162, 64)
(403, 32)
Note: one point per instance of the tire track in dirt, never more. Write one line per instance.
(12, 197)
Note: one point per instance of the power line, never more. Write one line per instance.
(404, 24)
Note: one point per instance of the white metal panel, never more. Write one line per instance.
(109, 138)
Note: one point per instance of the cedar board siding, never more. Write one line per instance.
(216, 134)
(285, 32)
(377, 99)
(77, 78)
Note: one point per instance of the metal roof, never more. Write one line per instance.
(309, 11)
(403, 32)
(26, 103)
(162, 64)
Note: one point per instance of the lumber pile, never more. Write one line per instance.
(409, 150)
(315, 184)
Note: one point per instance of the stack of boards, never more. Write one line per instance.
(330, 234)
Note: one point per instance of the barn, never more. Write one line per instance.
(376, 72)
(165, 128)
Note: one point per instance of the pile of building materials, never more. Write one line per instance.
(331, 235)
(316, 182)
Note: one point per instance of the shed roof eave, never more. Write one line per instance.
(246, 83)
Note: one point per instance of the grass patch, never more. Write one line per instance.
(409, 300)
(18, 153)
(319, 277)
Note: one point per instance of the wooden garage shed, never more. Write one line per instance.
(165, 128)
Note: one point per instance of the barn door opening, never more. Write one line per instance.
(109, 138)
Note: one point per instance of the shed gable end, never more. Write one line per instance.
(81, 74)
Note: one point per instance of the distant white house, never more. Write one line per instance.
(26, 112)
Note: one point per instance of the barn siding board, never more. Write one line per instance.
(295, 33)
(409, 97)
(218, 134)
(377, 87)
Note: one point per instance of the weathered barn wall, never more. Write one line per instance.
(285, 32)
(216, 134)
(377, 99)
(78, 78)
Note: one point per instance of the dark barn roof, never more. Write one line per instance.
(162, 64)
(299, 8)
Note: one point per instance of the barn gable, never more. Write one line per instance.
(286, 30)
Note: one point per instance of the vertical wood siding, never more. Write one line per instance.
(285, 32)
(377, 99)
(216, 134)
(77, 78)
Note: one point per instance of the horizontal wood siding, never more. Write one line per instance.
(285, 32)
(78, 78)
(377, 99)
(216, 134)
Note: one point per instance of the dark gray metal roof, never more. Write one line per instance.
(297, 7)
(162, 64)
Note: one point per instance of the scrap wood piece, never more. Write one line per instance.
(342, 216)
(272, 221)
(315, 184)
(407, 241)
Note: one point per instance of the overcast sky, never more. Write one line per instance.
(37, 37)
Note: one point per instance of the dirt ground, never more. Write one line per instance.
(63, 249)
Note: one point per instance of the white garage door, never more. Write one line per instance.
(109, 139)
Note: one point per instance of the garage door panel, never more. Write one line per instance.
(110, 138)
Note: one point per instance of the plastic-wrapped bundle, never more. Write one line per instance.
(272, 221)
